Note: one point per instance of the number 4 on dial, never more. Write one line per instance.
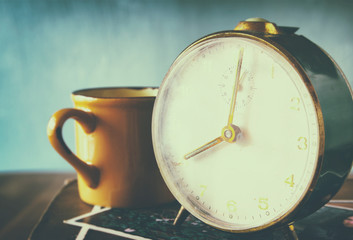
(290, 180)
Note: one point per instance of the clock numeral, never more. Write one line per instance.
(290, 180)
(232, 206)
(302, 143)
(295, 102)
(203, 189)
(263, 203)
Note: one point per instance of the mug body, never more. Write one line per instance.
(120, 147)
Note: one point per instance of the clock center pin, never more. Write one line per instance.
(231, 133)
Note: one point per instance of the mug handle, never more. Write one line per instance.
(89, 173)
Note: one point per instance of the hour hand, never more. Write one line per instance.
(204, 147)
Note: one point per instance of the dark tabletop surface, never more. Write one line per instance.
(24, 197)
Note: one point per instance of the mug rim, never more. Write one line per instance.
(83, 93)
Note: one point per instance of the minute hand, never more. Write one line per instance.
(236, 87)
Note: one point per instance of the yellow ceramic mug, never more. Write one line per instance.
(115, 160)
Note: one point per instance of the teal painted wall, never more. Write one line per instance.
(48, 48)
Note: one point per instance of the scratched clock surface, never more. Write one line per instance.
(264, 174)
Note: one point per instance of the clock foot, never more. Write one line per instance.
(288, 233)
(181, 216)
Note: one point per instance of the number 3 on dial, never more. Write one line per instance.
(302, 143)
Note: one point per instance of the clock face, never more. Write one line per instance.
(235, 132)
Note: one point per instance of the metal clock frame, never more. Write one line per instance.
(332, 96)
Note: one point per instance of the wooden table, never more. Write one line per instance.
(23, 199)
(25, 196)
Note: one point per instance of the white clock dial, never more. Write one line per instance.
(265, 173)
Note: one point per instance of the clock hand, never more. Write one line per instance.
(204, 147)
(241, 80)
(229, 134)
(236, 87)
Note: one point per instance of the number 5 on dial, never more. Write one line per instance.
(263, 203)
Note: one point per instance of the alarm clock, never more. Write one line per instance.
(253, 128)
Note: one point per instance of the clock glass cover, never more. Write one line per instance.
(236, 132)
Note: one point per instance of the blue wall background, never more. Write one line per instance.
(48, 48)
